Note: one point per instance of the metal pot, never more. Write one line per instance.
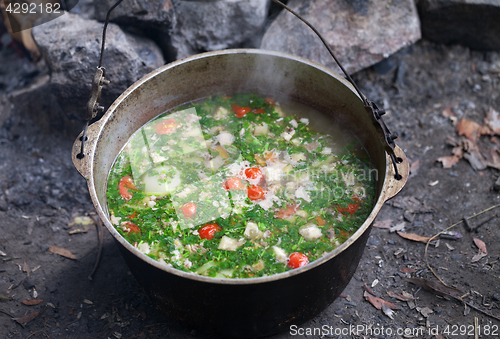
(239, 307)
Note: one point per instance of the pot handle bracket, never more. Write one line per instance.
(98, 82)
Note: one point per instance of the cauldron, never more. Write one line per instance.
(249, 307)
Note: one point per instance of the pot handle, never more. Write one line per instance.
(83, 161)
(393, 184)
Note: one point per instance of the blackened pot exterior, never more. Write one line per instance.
(252, 310)
(239, 307)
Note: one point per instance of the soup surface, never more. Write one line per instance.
(240, 187)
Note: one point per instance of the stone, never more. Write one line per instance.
(214, 25)
(360, 33)
(472, 23)
(146, 14)
(70, 46)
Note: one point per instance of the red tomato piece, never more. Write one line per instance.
(208, 231)
(258, 110)
(166, 126)
(188, 209)
(253, 173)
(286, 212)
(270, 101)
(129, 227)
(297, 260)
(255, 192)
(234, 184)
(126, 183)
(241, 111)
(351, 208)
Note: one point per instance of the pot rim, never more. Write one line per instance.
(390, 186)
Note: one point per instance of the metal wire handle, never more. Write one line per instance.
(99, 80)
(370, 107)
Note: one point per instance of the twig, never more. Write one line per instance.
(6, 313)
(447, 229)
(100, 239)
(38, 332)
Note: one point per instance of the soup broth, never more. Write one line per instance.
(239, 187)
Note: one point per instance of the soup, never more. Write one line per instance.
(240, 187)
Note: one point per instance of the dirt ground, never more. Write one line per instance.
(41, 193)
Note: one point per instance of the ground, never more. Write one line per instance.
(41, 193)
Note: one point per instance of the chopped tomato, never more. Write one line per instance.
(166, 126)
(255, 192)
(234, 183)
(188, 209)
(286, 212)
(129, 227)
(270, 101)
(126, 183)
(208, 231)
(351, 208)
(258, 110)
(297, 260)
(241, 111)
(320, 220)
(344, 234)
(253, 173)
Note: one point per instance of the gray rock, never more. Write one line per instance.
(473, 23)
(70, 46)
(209, 26)
(140, 13)
(360, 33)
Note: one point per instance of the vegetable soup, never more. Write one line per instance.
(239, 187)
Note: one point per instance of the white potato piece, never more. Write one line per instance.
(280, 254)
(229, 244)
(252, 231)
(154, 184)
(310, 232)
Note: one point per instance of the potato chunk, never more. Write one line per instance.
(310, 232)
(252, 231)
(229, 244)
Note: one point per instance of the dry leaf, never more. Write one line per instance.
(436, 287)
(26, 268)
(478, 257)
(471, 129)
(448, 161)
(414, 166)
(492, 120)
(378, 302)
(414, 237)
(32, 302)
(383, 223)
(407, 270)
(403, 297)
(62, 252)
(27, 318)
(481, 245)
(368, 289)
(398, 227)
(425, 311)
(387, 311)
(81, 224)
